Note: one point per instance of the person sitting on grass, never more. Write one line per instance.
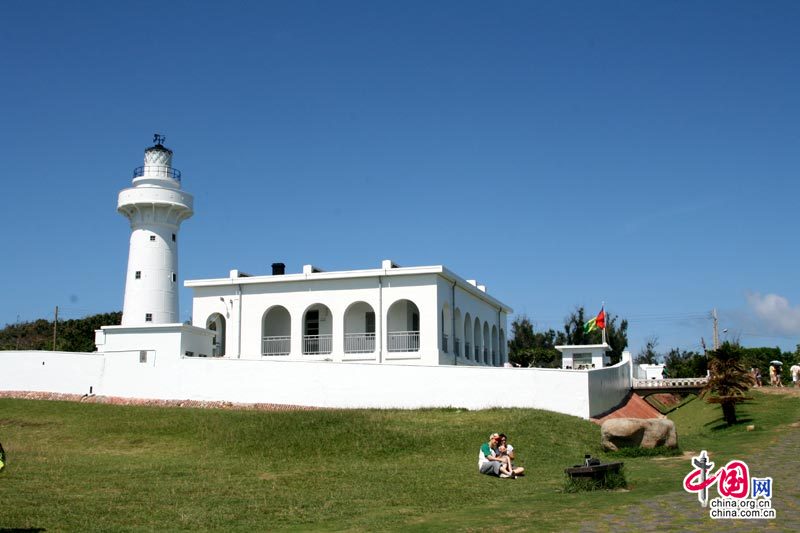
(506, 453)
(488, 462)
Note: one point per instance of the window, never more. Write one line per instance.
(152, 237)
(369, 322)
(580, 360)
(173, 237)
(148, 317)
(174, 277)
(142, 356)
(138, 274)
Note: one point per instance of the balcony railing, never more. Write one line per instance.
(467, 352)
(403, 341)
(157, 172)
(276, 345)
(317, 344)
(457, 346)
(444, 342)
(359, 342)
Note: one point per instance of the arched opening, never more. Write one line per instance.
(445, 329)
(502, 345)
(486, 340)
(468, 336)
(216, 323)
(276, 331)
(457, 333)
(317, 330)
(359, 328)
(403, 327)
(495, 358)
(476, 339)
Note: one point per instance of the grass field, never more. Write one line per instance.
(91, 467)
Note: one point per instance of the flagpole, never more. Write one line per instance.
(605, 321)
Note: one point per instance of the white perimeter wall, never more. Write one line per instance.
(321, 384)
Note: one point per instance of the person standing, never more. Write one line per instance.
(795, 370)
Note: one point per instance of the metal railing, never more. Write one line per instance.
(317, 344)
(359, 342)
(444, 342)
(403, 341)
(280, 345)
(157, 171)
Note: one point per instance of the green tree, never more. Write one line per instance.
(685, 364)
(528, 348)
(648, 354)
(728, 380)
(75, 335)
(616, 333)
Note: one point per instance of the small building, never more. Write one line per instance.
(417, 315)
(584, 356)
(648, 371)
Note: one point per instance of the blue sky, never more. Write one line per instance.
(644, 154)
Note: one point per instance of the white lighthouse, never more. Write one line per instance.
(155, 206)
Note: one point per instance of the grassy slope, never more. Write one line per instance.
(100, 467)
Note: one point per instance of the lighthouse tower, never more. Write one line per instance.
(155, 206)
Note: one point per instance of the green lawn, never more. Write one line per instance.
(74, 466)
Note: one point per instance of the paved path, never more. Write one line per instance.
(680, 511)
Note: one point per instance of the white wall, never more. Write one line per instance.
(608, 387)
(62, 372)
(167, 376)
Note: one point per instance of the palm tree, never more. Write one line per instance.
(728, 380)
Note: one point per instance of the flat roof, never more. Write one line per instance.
(350, 274)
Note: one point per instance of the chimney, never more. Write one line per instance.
(278, 269)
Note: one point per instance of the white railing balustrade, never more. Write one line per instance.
(403, 341)
(317, 344)
(668, 383)
(359, 342)
(444, 342)
(280, 345)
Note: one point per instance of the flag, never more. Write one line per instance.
(598, 322)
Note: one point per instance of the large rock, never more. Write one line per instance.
(616, 433)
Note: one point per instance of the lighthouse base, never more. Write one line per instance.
(155, 339)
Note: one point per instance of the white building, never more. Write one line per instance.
(584, 356)
(417, 315)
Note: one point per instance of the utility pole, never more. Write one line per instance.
(716, 328)
(55, 329)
